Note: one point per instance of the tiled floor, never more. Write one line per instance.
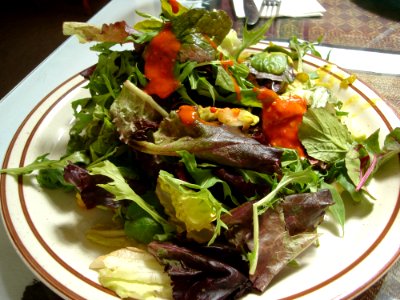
(30, 30)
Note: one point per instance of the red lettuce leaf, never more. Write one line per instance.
(304, 212)
(220, 144)
(91, 194)
(197, 276)
(276, 247)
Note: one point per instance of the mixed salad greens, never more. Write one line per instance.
(217, 163)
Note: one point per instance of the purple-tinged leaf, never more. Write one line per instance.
(197, 276)
(91, 194)
(304, 212)
(220, 144)
(276, 247)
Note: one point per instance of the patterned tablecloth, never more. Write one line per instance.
(365, 24)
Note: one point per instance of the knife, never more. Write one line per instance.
(251, 12)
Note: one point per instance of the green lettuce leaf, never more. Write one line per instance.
(190, 207)
(214, 24)
(274, 62)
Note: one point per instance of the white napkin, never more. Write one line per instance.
(289, 8)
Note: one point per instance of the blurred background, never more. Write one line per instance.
(31, 29)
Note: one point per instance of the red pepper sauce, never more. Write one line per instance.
(187, 114)
(281, 120)
(160, 58)
(226, 64)
(174, 5)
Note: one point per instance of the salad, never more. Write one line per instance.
(216, 162)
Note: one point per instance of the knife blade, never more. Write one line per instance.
(251, 12)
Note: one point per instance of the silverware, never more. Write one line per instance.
(251, 12)
(271, 8)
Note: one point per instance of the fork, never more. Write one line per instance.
(271, 8)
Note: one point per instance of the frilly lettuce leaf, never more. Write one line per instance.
(134, 112)
(133, 273)
(213, 24)
(231, 44)
(189, 206)
(116, 32)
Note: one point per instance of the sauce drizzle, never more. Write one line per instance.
(281, 120)
(174, 5)
(160, 58)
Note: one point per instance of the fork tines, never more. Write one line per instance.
(270, 8)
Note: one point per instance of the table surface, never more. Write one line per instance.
(361, 36)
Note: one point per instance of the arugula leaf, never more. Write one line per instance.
(186, 69)
(252, 37)
(93, 130)
(348, 186)
(42, 163)
(122, 191)
(204, 177)
(301, 48)
(323, 136)
(225, 80)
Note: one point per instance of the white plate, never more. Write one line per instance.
(47, 228)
